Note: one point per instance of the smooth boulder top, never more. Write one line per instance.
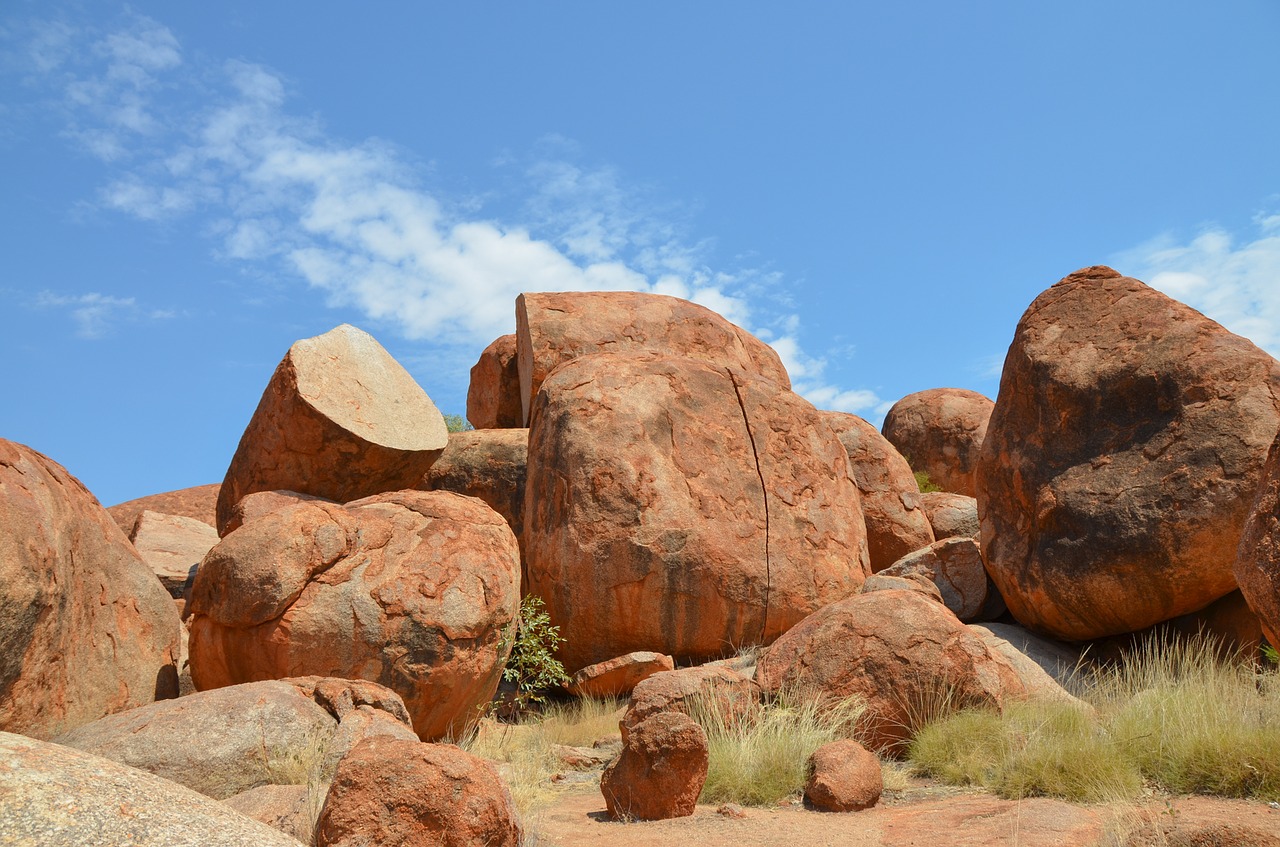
(373, 396)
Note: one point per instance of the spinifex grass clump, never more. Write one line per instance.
(1172, 714)
(758, 752)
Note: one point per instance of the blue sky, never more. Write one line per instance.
(878, 190)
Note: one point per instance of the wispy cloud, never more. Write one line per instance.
(96, 315)
(1236, 282)
(354, 221)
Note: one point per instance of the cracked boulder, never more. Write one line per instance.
(554, 328)
(891, 506)
(86, 629)
(908, 657)
(339, 419)
(415, 590)
(1122, 458)
(940, 431)
(230, 740)
(683, 507)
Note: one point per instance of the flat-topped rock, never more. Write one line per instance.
(339, 419)
(199, 502)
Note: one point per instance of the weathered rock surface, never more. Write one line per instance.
(1037, 680)
(255, 505)
(494, 396)
(291, 809)
(229, 740)
(55, 796)
(955, 566)
(86, 628)
(843, 777)
(393, 793)
(896, 525)
(906, 655)
(172, 546)
(951, 515)
(199, 502)
(1257, 564)
(554, 328)
(1059, 660)
(683, 508)
(415, 590)
(617, 677)
(679, 690)
(907, 582)
(660, 772)
(340, 419)
(491, 464)
(1122, 458)
(940, 431)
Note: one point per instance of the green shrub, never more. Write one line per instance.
(925, 484)
(532, 665)
(457, 423)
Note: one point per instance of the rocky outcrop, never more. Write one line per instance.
(908, 657)
(493, 396)
(660, 772)
(86, 628)
(53, 795)
(260, 503)
(339, 419)
(491, 464)
(955, 566)
(618, 677)
(416, 590)
(554, 328)
(940, 431)
(172, 546)
(843, 777)
(896, 525)
(397, 793)
(1257, 564)
(1122, 458)
(951, 515)
(684, 508)
(227, 741)
(200, 503)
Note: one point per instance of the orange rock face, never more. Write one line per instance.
(660, 772)
(396, 793)
(618, 676)
(260, 503)
(896, 525)
(940, 431)
(340, 419)
(907, 655)
(1257, 565)
(554, 328)
(1122, 458)
(200, 502)
(954, 565)
(87, 630)
(679, 690)
(414, 590)
(683, 508)
(493, 397)
(172, 546)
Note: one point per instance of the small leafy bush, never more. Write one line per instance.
(533, 666)
(457, 423)
(925, 484)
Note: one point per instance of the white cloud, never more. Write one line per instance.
(1236, 284)
(96, 314)
(353, 220)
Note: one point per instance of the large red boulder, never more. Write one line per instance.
(896, 524)
(688, 689)
(200, 502)
(940, 431)
(397, 793)
(493, 397)
(660, 772)
(554, 328)
(907, 656)
(340, 419)
(415, 590)
(86, 628)
(682, 507)
(1122, 458)
(1257, 565)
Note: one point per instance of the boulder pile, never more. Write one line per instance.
(701, 537)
